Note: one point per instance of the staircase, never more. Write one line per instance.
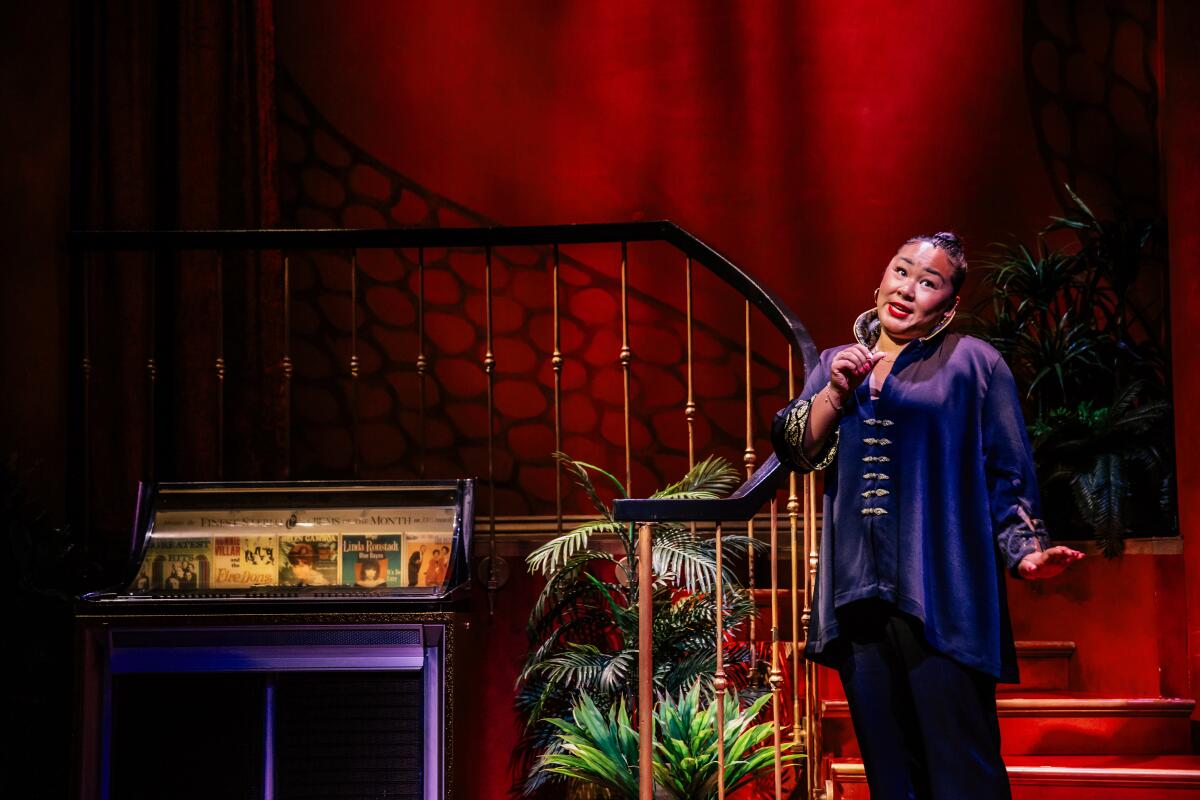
(1058, 744)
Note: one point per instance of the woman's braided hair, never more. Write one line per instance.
(951, 245)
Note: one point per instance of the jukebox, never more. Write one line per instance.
(281, 640)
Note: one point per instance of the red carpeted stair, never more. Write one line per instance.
(1161, 777)
(1058, 744)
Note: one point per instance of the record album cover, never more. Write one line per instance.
(308, 559)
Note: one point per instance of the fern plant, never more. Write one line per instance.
(602, 750)
(1078, 332)
(583, 629)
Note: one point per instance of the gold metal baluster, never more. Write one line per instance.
(626, 357)
(422, 363)
(793, 510)
(689, 409)
(489, 368)
(354, 361)
(219, 367)
(645, 664)
(719, 681)
(556, 364)
(85, 370)
(750, 459)
(812, 727)
(151, 366)
(776, 677)
(288, 368)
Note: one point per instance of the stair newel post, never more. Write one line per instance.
(645, 663)
(776, 676)
(719, 681)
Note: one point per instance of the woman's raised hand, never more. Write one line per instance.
(850, 367)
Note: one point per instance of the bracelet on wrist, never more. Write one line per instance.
(828, 392)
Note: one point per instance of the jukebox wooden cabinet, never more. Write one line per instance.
(278, 641)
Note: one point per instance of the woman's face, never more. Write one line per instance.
(915, 293)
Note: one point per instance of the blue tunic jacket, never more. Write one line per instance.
(930, 495)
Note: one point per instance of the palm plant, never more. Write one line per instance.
(583, 629)
(1094, 367)
(602, 750)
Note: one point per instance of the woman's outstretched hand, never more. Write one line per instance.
(1047, 563)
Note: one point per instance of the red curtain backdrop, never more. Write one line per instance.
(803, 139)
(174, 127)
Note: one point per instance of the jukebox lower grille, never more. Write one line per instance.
(348, 735)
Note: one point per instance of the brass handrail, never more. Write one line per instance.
(287, 239)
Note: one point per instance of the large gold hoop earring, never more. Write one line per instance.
(941, 326)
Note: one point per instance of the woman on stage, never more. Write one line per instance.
(930, 497)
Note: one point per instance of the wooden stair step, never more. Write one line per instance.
(1061, 725)
(1067, 777)
(1044, 666)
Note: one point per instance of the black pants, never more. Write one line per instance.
(926, 725)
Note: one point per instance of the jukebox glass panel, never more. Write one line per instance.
(282, 540)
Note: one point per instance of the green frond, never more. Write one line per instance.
(623, 618)
(563, 583)
(711, 478)
(551, 556)
(580, 667)
(579, 473)
(693, 566)
(616, 674)
(1078, 201)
